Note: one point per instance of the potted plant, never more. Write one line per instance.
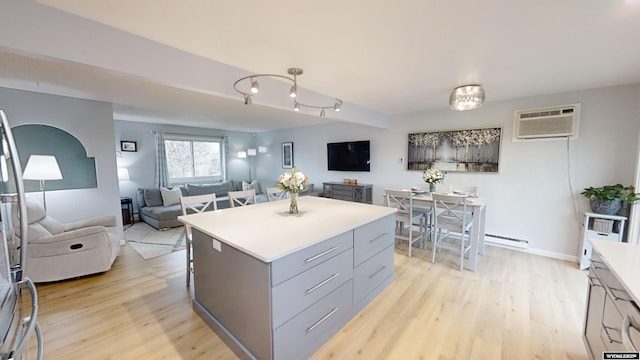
(608, 199)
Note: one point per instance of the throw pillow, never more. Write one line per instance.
(152, 197)
(170, 196)
(254, 185)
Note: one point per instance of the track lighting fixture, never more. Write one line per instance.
(293, 92)
(254, 86)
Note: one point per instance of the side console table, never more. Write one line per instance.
(357, 193)
(126, 203)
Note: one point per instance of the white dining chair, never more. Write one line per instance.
(274, 194)
(428, 216)
(453, 221)
(242, 197)
(194, 205)
(406, 216)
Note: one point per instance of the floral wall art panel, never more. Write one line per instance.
(472, 150)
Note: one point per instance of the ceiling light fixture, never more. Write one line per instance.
(466, 97)
(293, 92)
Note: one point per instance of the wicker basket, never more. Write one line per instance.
(603, 225)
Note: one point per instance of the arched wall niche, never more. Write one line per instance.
(78, 170)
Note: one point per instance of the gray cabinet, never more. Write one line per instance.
(593, 316)
(357, 193)
(608, 313)
(290, 307)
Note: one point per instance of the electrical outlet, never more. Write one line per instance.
(401, 160)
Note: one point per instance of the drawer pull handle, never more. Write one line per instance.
(378, 237)
(308, 260)
(616, 297)
(323, 282)
(592, 282)
(629, 322)
(606, 331)
(604, 267)
(377, 271)
(317, 323)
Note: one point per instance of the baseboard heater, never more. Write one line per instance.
(506, 241)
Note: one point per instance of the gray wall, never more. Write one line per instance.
(535, 195)
(141, 164)
(91, 122)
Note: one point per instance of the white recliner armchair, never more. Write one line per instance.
(57, 251)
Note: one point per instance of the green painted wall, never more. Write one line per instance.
(78, 170)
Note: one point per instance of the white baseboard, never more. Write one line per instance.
(550, 254)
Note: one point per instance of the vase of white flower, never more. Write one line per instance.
(292, 183)
(293, 205)
(432, 177)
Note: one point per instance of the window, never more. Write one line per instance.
(194, 159)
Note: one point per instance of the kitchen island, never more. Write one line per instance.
(612, 313)
(277, 286)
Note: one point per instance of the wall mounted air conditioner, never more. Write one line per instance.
(548, 123)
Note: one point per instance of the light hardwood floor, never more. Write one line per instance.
(516, 306)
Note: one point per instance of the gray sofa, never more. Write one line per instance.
(152, 210)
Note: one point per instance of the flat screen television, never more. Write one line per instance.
(348, 156)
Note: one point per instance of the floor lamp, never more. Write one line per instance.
(41, 168)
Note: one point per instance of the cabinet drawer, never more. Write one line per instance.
(342, 192)
(292, 265)
(601, 235)
(593, 318)
(295, 294)
(611, 326)
(369, 239)
(301, 336)
(372, 273)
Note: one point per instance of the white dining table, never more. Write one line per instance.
(479, 208)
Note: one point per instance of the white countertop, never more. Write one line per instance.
(624, 261)
(267, 231)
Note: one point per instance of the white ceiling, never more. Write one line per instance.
(391, 57)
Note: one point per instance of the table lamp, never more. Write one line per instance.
(123, 174)
(42, 167)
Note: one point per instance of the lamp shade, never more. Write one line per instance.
(123, 174)
(42, 167)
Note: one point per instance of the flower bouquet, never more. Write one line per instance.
(432, 177)
(293, 182)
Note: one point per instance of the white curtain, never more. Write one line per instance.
(161, 176)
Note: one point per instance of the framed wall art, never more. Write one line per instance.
(287, 155)
(128, 146)
(471, 150)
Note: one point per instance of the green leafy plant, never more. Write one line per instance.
(612, 192)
